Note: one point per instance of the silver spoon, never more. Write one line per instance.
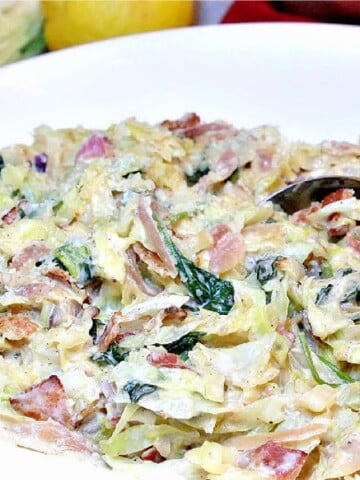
(299, 195)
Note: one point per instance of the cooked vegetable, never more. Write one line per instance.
(185, 344)
(338, 372)
(112, 356)
(136, 390)
(308, 355)
(193, 178)
(352, 296)
(209, 291)
(265, 268)
(323, 294)
(76, 260)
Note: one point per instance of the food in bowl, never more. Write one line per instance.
(157, 316)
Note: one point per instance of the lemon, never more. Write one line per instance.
(80, 21)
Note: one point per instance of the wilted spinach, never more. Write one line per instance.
(112, 356)
(192, 179)
(323, 294)
(265, 268)
(352, 296)
(136, 389)
(2, 163)
(208, 290)
(185, 344)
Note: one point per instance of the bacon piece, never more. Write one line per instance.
(266, 160)
(341, 148)
(301, 215)
(134, 272)
(223, 169)
(174, 313)
(219, 231)
(150, 227)
(353, 242)
(48, 437)
(289, 335)
(228, 252)
(152, 455)
(189, 120)
(59, 275)
(33, 290)
(217, 130)
(110, 333)
(152, 260)
(93, 146)
(32, 253)
(44, 400)
(167, 360)
(14, 213)
(280, 462)
(341, 194)
(17, 326)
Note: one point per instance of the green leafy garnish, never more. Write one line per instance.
(293, 309)
(2, 163)
(326, 270)
(37, 43)
(334, 368)
(113, 355)
(344, 271)
(93, 332)
(310, 362)
(208, 290)
(265, 268)
(193, 178)
(57, 206)
(323, 294)
(136, 389)
(185, 344)
(268, 296)
(76, 260)
(356, 318)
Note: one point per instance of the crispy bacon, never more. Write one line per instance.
(59, 275)
(17, 326)
(174, 313)
(301, 215)
(228, 252)
(289, 335)
(14, 213)
(189, 120)
(266, 160)
(152, 455)
(44, 400)
(151, 259)
(144, 213)
(341, 148)
(341, 194)
(33, 291)
(353, 242)
(167, 360)
(280, 462)
(94, 146)
(217, 130)
(48, 437)
(223, 169)
(32, 253)
(219, 231)
(110, 333)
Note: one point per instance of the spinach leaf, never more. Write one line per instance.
(352, 296)
(185, 344)
(268, 296)
(112, 356)
(196, 175)
(208, 290)
(136, 389)
(2, 163)
(310, 362)
(338, 372)
(265, 268)
(356, 318)
(93, 332)
(293, 309)
(323, 294)
(76, 260)
(57, 206)
(344, 271)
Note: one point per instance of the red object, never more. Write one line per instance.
(168, 360)
(259, 11)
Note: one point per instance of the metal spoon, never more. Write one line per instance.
(299, 195)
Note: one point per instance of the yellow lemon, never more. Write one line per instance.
(81, 21)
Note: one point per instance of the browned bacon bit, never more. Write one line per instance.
(167, 360)
(225, 166)
(301, 215)
(33, 290)
(280, 462)
(219, 231)
(48, 437)
(95, 406)
(14, 213)
(145, 216)
(152, 455)
(187, 121)
(31, 253)
(266, 160)
(59, 275)
(289, 335)
(336, 231)
(151, 259)
(341, 194)
(228, 251)
(17, 326)
(44, 400)
(174, 313)
(110, 333)
(217, 130)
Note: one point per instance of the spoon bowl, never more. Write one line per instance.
(300, 195)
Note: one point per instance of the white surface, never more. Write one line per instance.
(302, 77)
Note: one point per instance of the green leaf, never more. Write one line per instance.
(265, 268)
(37, 42)
(76, 260)
(352, 296)
(356, 318)
(2, 163)
(136, 389)
(196, 175)
(338, 372)
(344, 271)
(208, 290)
(310, 362)
(112, 356)
(185, 344)
(323, 294)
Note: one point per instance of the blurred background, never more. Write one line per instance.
(30, 27)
